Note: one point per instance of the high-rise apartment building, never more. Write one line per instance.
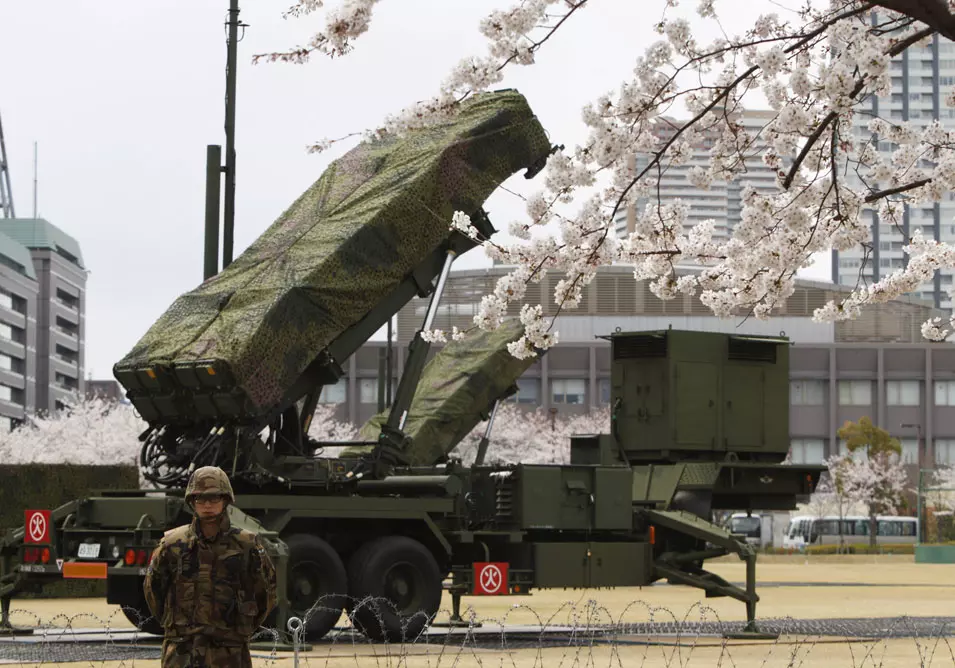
(921, 76)
(42, 318)
(722, 200)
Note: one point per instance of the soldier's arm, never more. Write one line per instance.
(157, 581)
(263, 581)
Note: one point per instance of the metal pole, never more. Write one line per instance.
(229, 208)
(918, 512)
(382, 374)
(213, 177)
(438, 291)
(482, 446)
(388, 367)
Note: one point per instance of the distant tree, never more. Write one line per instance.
(97, 431)
(531, 436)
(833, 496)
(872, 474)
(88, 431)
(325, 427)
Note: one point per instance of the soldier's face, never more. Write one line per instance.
(208, 507)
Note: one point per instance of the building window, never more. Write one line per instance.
(528, 392)
(603, 387)
(910, 450)
(6, 331)
(945, 392)
(335, 394)
(6, 362)
(808, 450)
(855, 392)
(945, 450)
(6, 425)
(368, 390)
(568, 391)
(6, 393)
(902, 392)
(6, 300)
(807, 392)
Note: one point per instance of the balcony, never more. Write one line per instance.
(65, 365)
(12, 379)
(68, 339)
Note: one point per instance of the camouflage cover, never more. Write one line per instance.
(457, 388)
(343, 246)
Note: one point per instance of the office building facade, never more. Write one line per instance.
(877, 366)
(42, 319)
(722, 200)
(922, 76)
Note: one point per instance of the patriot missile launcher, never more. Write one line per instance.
(231, 373)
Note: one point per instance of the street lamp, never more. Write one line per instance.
(918, 436)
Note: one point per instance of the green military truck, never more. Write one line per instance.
(230, 376)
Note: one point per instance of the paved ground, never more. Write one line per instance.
(851, 613)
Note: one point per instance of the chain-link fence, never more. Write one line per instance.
(577, 634)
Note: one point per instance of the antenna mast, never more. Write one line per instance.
(6, 192)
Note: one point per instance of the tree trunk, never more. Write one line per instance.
(873, 530)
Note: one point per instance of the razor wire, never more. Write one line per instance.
(578, 634)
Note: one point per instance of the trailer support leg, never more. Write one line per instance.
(683, 568)
(456, 621)
(751, 630)
(6, 628)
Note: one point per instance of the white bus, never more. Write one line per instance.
(806, 530)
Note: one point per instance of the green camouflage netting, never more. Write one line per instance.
(457, 388)
(343, 246)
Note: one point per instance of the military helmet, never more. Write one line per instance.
(209, 480)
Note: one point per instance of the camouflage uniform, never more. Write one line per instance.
(210, 595)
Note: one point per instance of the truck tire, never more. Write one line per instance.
(139, 616)
(394, 584)
(316, 577)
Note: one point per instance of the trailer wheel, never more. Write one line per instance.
(139, 615)
(316, 578)
(395, 588)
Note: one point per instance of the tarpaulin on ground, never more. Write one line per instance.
(343, 246)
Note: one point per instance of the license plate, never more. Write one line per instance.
(89, 550)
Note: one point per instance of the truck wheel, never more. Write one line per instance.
(395, 588)
(316, 578)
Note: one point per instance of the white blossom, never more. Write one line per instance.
(521, 435)
(816, 88)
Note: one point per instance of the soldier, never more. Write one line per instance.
(209, 584)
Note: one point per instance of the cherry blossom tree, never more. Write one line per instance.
(941, 490)
(96, 431)
(325, 427)
(877, 482)
(832, 495)
(815, 69)
(519, 435)
(872, 473)
(92, 431)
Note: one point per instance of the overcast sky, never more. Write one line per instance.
(123, 96)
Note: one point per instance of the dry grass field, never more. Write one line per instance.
(871, 588)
